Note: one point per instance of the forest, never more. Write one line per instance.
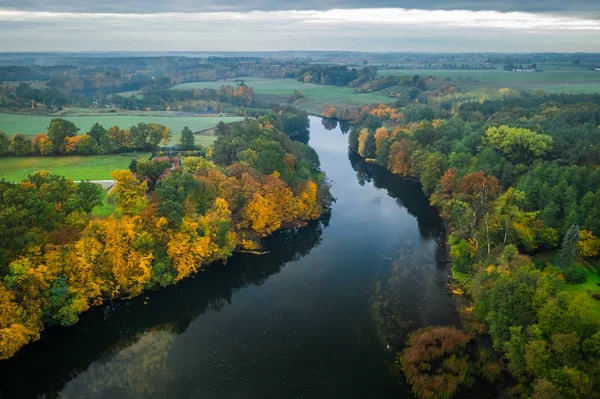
(57, 260)
(516, 176)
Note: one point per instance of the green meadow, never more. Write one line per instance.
(582, 291)
(316, 97)
(33, 124)
(93, 167)
(552, 79)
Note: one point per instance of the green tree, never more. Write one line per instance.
(151, 171)
(98, 132)
(139, 135)
(222, 129)
(187, 140)
(90, 195)
(58, 132)
(4, 143)
(519, 145)
(568, 250)
(133, 165)
(20, 145)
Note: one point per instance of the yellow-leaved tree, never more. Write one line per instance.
(262, 217)
(129, 192)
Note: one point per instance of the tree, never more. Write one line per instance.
(4, 143)
(158, 134)
(138, 135)
(330, 112)
(399, 158)
(97, 132)
(568, 250)
(58, 132)
(589, 245)
(187, 140)
(19, 145)
(119, 138)
(381, 135)
(479, 192)
(41, 144)
(262, 216)
(133, 165)
(519, 145)
(366, 144)
(129, 192)
(222, 129)
(90, 195)
(436, 362)
(150, 171)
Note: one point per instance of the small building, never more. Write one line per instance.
(174, 161)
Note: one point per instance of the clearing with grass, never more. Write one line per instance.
(316, 97)
(92, 167)
(552, 79)
(33, 124)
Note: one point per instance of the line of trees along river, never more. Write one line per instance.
(297, 322)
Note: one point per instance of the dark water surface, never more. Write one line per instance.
(296, 323)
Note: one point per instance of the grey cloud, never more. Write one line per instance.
(589, 8)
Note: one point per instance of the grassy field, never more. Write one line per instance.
(95, 167)
(551, 80)
(30, 124)
(106, 209)
(316, 97)
(582, 291)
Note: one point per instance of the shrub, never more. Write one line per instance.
(575, 275)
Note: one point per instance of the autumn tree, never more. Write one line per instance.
(41, 144)
(399, 158)
(120, 138)
(158, 134)
(381, 135)
(261, 215)
(589, 245)
(129, 192)
(436, 362)
(330, 112)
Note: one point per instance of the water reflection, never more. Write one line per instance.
(329, 124)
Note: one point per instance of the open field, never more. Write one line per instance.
(135, 93)
(551, 80)
(93, 167)
(582, 291)
(106, 209)
(316, 97)
(33, 124)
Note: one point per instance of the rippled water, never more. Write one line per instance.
(296, 323)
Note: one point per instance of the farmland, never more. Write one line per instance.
(316, 97)
(33, 124)
(552, 79)
(93, 167)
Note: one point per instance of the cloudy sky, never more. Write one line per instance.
(365, 25)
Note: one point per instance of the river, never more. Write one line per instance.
(300, 322)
